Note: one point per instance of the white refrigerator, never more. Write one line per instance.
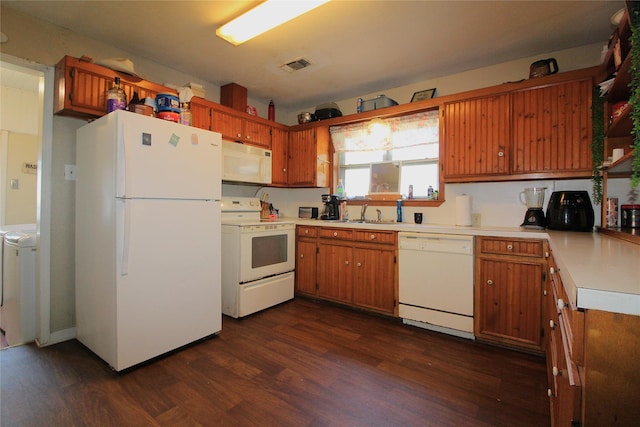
(147, 237)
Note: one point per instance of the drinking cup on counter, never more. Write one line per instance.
(417, 217)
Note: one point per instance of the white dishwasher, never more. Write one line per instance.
(436, 282)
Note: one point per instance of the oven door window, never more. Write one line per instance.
(269, 250)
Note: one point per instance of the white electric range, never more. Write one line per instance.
(258, 258)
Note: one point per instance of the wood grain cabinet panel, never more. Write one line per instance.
(355, 267)
(510, 284)
(552, 129)
(280, 157)
(81, 88)
(476, 137)
(200, 113)
(306, 266)
(335, 273)
(373, 279)
(308, 161)
(509, 301)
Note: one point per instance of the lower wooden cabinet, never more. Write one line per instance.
(508, 292)
(592, 358)
(350, 266)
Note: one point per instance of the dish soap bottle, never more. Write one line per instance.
(399, 210)
(340, 190)
(116, 98)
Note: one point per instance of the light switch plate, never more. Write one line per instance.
(70, 172)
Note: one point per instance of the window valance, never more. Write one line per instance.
(387, 134)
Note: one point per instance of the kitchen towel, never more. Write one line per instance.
(463, 210)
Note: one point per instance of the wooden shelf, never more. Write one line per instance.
(622, 165)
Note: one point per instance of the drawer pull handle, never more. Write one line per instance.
(489, 282)
(552, 270)
(510, 247)
(552, 324)
(372, 237)
(346, 262)
(359, 264)
(546, 254)
(301, 255)
(556, 372)
(306, 231)
(500, 153)
(549, 392)
(335, 234)
(561, 304)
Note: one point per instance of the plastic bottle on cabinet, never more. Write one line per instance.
(272, 111)
(185, 114)
(116, 98)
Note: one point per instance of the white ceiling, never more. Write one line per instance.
(355, 47)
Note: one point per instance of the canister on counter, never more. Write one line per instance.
(630, 216)
(612, 212)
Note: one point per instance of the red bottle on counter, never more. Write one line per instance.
(272, 111)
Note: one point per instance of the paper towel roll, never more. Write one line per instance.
(463, 210)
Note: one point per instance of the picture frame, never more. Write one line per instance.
(423, 94)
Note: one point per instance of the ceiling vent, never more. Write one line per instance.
(296, 65)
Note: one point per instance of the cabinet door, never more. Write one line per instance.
(509, 301)
(279, 153)
(335, 272)
(306, 266)
(257, 134)
(302, 157)
(552, 129)
(373, 279)
(228, 125)
(476, 135)
(88, 92)
(200, 114)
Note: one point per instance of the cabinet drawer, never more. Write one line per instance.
(374, 236)
(336, 233)
(571, 320)
(503, 246)
(302, 231)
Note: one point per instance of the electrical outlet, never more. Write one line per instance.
(70, 172)
(476, 219)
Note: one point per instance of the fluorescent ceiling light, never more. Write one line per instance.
(262, 18)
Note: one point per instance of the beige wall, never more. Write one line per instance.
(47, 44)
(20, 203)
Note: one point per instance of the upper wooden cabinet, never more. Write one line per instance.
(279, 156)
(308, 162)
(476, 137)
(233, 125)
(552, 130)
(538, 129)
(81, 88)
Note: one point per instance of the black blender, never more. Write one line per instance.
(534, 199)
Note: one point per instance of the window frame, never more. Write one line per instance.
(335, 174)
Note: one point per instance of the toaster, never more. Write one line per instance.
(570, 211)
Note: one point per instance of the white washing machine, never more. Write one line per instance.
(5, 229)
(18, 314)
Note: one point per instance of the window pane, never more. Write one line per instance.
(421, 176)
(356, 182)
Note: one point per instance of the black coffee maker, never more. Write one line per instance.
(331, 207)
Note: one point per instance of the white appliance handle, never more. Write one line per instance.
(121, 168)
(126, 229)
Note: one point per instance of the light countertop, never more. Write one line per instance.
(598, 271)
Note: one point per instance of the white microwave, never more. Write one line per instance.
(245, 163)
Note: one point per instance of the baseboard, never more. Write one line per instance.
(58, 337)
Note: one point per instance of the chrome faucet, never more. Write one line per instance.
(363, 209)
(379, 212)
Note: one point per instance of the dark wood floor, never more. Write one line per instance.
(298, 364)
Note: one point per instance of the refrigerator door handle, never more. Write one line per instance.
(121, 190)
(126, 230)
